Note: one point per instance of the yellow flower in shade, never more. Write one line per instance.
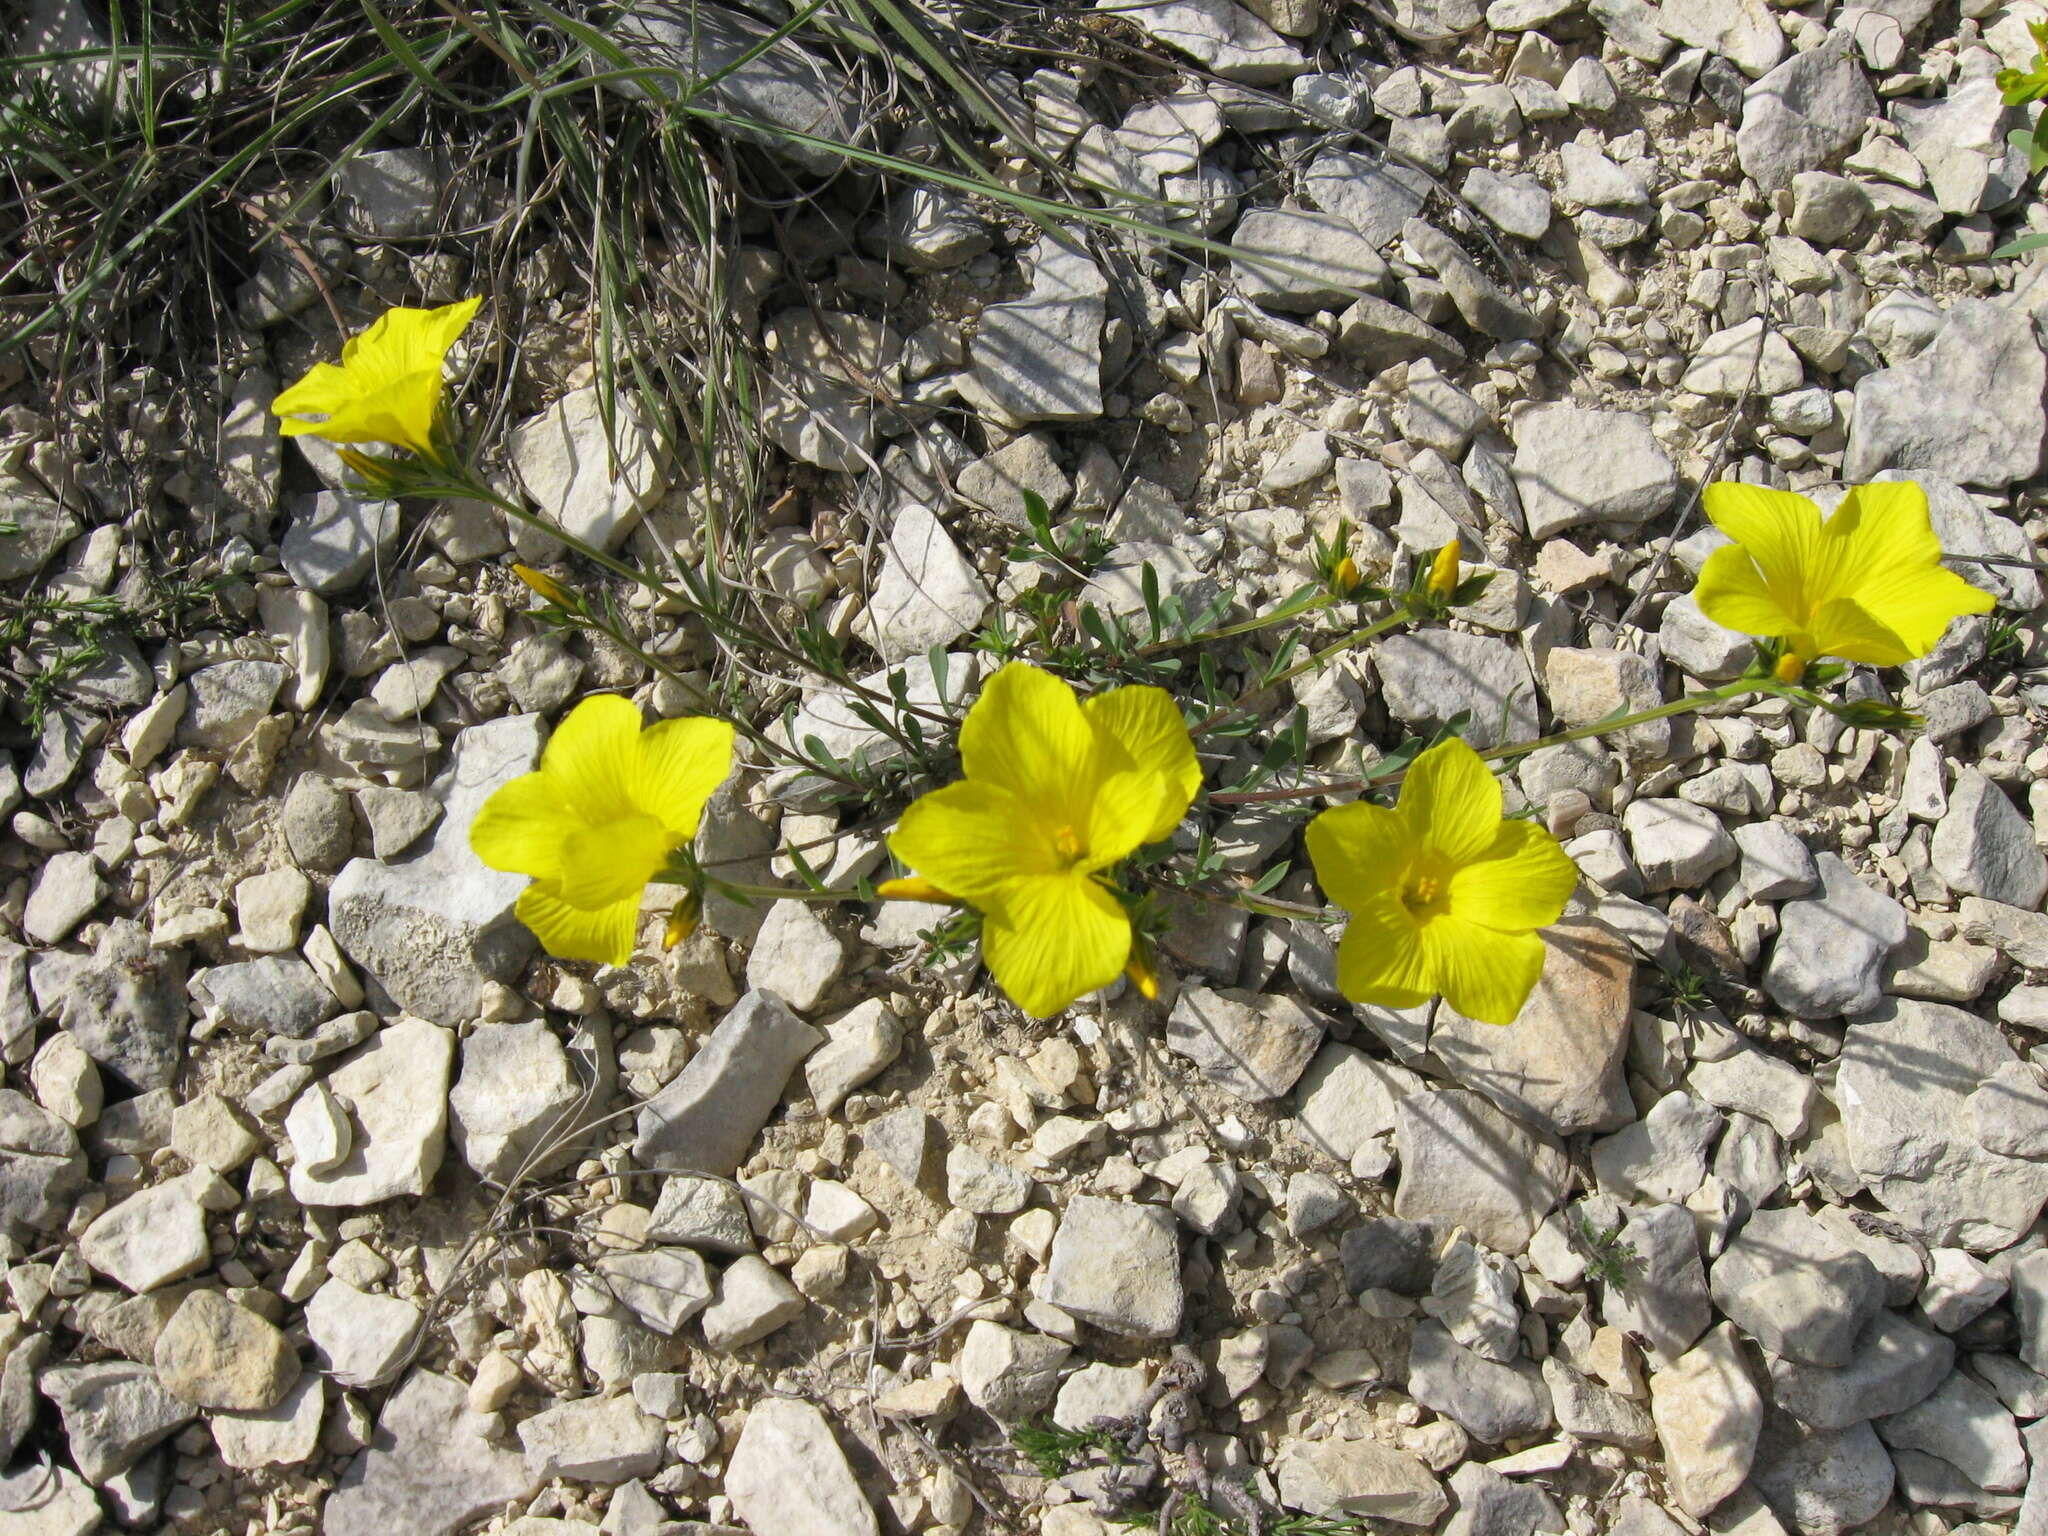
(388, 387)
(1054, 792)
(1866, 585)
(608, 807)
(1444, 896)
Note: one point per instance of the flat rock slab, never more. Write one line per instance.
(1493, 1402)
(397, 1085)
(788, 1475)
(436, 929)
(1116, 1264)
(708, 1117)
(1797, 1288)
(1894, 1365)
(1465, 1161)
(430, 1470)
(1831, 948)
(1968, 408)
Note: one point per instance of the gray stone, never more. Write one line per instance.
(225, 702)
(398, 818)
(1985, 847)
(1968, 408)
(1339, 1477)
(1676, 845)
(1481, 303)
(336, 540)
(1907, 1072)
(113, 1412)
(753, 1301)
(725, 58)
(1303, 262)
(1575, 466)
(1803, 114)
(1492, 1402)
(782, 1434)
(125, 1004)
(592, 1440)
(46, 1500)
(1892, 1366)
(1587, 1411)
(1742, 31)
(432, 1468)
(1377, 334)
(1492, 1505)
(1348, 1101)
(1428, 678)
(859, 1045)
(796, 956)
(149, 1239)
(1750, 1082)
(1708, 1417)
(930, 230)
(1116, 1264)
(1009, 1375)
(710, 1114)
(1374, 195)
(286, 1434)
(704, 1213)
(1745, 358)
(272, 995)
(363, 1340)
(437, 930)
(1967, 1427)
(1559, 1065)
(41, 1167)
(1039, 358)
(1821, 1482)
(66, 888)
(927, 593)
(1222, 36)
(1518, 205)
(1796, 1288)
(397, 1089)
(1664, 1302)
(590, 463)
(517, 1091)
(1464, 1161)
(1775, 863)
(1663, 1156)
(1473, 1295)
(319, 823)
(984, 1185)
(1831, 949)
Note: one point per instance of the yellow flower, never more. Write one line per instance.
(1055, 792)
(1444, 896)
(1443, 573)
(388, 387)
(610, 804)
(1867, 585)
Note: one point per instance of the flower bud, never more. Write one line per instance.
(549, 588)
(1790, 668)
(682, 920)
(1345, 576)
(1443, 573)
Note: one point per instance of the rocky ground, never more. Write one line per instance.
(329, 1205)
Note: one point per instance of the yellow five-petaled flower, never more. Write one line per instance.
(1866, 585)
(1055, 791)
(609, 806)
(388, 386)
(1444, 896)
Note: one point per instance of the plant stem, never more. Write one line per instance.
(1241, 704)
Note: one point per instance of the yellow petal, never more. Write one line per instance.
(612, 862)
(603, 935)
(1887, 559)
(1121, 816)
(1054, 940)
(1484, 974)
(324, 390)
(1451, 801)
(1522, 883)
(594, 758)
(681, 763)
(522, 827)
(1147, 725)
(1380, 958)
(1733, 593)
(972, 839)
(1026, 734)
(1779, 531)
(1844, 627)
(1359, 852)
(388, 387)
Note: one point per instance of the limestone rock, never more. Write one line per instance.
(710, 1114)
(397, 1087)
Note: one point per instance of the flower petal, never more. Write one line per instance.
(1844, 627)
(1053, 940)
(1381, 959)
(1451, 801)
(523, 826)
(604, 934)
(594, 758)
(324, 390)
(1522, 883)
(1121, 816)
(1147, 724)
(1733, 593)
(1359, 852)
(612, 862)
(972, 840)
(1484, 974)
(1887, 559)
(1780, 532)
(1026, 734)
(681, 763)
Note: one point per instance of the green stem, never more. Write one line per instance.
(1293, 608)
(1241, 705)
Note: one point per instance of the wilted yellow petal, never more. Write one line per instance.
(1054, 940)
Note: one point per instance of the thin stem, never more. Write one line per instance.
(1294, 607)
(1241, 705)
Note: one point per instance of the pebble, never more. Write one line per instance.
(1116, 1264)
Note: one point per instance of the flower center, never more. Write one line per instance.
(1067, 844)
(1426, 894)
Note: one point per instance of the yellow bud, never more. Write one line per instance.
(1790, 668)
(1443, 572)
(1345, 576)
(913, 888)
(1140, 970)
(549, 588)
(682, 920)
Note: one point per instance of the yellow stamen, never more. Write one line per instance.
(1068, 843)
(1424, 895)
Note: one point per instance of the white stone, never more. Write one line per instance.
(362, 1339)
(591, 483)
(397, 1088)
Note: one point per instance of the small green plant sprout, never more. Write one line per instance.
(1608, 1259)
(1056, 1451)
(1686, 987)
(2021, 88)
